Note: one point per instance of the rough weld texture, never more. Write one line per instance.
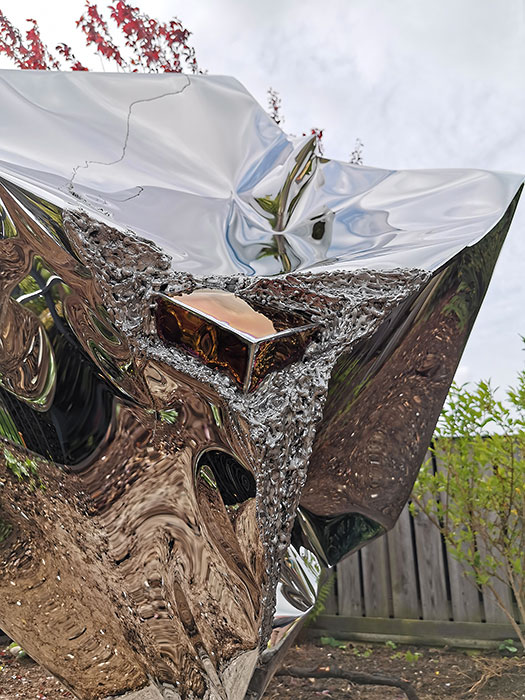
(284, 411)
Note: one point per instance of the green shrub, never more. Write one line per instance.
(477, 495)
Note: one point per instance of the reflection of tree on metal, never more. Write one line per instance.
(61, 370)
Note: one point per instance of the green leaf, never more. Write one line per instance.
(331, 642)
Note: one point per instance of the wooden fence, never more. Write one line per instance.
(405, 586)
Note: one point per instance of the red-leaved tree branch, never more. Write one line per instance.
(145, 44)
(27, 51)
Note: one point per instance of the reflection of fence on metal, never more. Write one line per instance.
(406, 586)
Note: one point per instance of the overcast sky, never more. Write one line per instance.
(439, 83)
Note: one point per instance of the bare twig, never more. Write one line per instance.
(352, 676)
(495, 668)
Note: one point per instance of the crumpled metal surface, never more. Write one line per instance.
(222, 358)
(194, 164)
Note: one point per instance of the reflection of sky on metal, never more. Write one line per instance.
(438, 84)
(197, 166)
(230, 310)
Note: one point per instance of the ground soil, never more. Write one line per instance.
(23, 679)
(436, 674)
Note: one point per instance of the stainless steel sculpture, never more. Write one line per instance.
(221, 361)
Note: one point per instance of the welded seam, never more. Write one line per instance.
(87, 163)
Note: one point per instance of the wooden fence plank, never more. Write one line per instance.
(466, 605)
(405, 599)
(377, 594)
(493, 613)
(464, 594)
(467, 634)
(431, 570)
(349, 595)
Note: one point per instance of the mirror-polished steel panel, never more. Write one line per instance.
(222, 358)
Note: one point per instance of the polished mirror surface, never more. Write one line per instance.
(222, 358)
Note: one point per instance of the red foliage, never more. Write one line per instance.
(65, 51)
(318, 133)
(97, 34)
(152, 46)
(156, 46)
(29, 52)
